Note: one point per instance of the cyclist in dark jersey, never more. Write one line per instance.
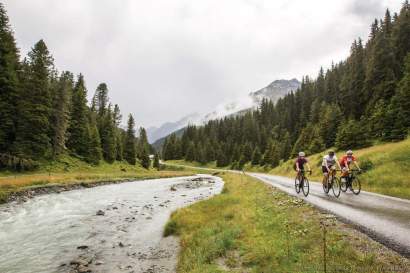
(300, 163)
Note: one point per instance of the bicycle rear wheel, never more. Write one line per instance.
(355, 186)
(305, 187)
(336, 186)
(297, 185)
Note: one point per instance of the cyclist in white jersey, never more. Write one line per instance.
(329, 163)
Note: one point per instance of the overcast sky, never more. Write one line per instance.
(164, 59)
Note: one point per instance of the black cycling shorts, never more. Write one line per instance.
(324, 169)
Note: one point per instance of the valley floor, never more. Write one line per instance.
(253, 227)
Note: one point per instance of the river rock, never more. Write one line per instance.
(82, 247)
(100, 213)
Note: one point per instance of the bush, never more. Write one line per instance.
(366, 164)
(171, 228)
(15, 163)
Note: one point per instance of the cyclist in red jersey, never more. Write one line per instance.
(345, 162)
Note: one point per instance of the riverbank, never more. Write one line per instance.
(252, 227)
(68, 173)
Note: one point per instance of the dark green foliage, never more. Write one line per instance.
(94, 153)
(156, 163)
(351, 134)
(129, 147)
(61, 112)
(190, 152)
(78, 129)
(9, 83)
(356, 101)
(398, 113)
(256, 156)
(145, 161)
(33, 128)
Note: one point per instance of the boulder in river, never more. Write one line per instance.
(100, 213)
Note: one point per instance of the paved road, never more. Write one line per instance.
(385, 218)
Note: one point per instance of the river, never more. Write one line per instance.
(111, 228)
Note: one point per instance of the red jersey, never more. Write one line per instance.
(346, 160)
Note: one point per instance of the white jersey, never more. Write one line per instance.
(330, 160)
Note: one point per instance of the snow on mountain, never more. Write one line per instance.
(273, 91)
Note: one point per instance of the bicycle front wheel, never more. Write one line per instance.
(336, 186)
(356, 186)
(326, 186)
(305, 187)
(297, 187)
(343, 184)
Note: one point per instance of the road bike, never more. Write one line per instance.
(302, 183)
(351, 181)
(332, 182)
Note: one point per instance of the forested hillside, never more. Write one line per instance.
(44, 112)
(363, 99)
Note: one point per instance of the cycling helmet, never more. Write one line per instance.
(331, 153)
(301, 154)
(350, 152)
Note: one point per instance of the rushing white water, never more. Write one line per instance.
(42, 235)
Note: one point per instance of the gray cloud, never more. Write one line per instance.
(167, 58)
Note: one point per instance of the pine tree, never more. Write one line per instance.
(398, 113)
(61, 112)
(78, 130)
(143, 145)
(145, 161)
(129, 147)
(9, 83)
(351, 135)
(190, 153)
(35, 105)
(156, 163)
(94, 147)
(108, 134)
(256, 156)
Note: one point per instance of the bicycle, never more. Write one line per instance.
(332, 182)
(351, 182)
(302, 185)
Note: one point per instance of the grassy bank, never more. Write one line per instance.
(67, 170)
(252, 227)
(387, 168)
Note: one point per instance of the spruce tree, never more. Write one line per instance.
(61, 112)
(94, 154)
(256, 156)
(129, 147)
(156, 163)
(398, 113)
(108, 136)
(9, 83)
(145, 160)
(78, 130)
(35, 105)
(190, 153)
